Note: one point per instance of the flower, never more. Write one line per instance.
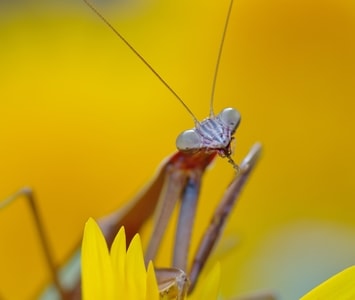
(118, 274)
(121, 274)
(339, 286)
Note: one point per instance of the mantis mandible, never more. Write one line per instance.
(179, 178)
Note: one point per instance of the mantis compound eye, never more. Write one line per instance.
(230, 117)
(188, 140)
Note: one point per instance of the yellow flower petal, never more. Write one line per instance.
(152, 285)
(340, 286)
(120, 274)
(135, 270)
(97, 275)
(118, 258)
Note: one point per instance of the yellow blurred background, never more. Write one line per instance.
(85, 124)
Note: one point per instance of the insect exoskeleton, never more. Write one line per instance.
(213, 133)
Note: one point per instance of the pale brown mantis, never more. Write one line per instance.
(179, 176)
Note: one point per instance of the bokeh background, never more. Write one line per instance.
(85, 124)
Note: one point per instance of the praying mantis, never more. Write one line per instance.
(179, 177)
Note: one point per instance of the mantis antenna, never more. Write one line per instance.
(219, 58)
(142, 59)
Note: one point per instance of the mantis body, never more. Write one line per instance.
(179, 178)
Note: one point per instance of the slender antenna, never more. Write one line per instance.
(142, 59)
(219, 58)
